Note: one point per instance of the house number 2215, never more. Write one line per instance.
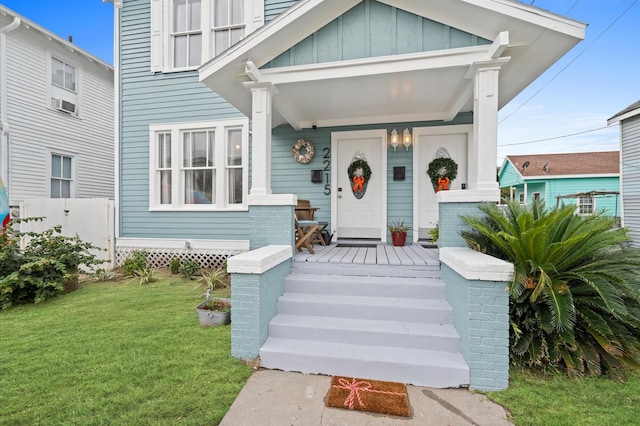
(327, 170)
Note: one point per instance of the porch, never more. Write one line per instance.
(373, 253)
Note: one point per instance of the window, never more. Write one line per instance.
(63, 75)
(521, 197)
(61, 176)
(586, 204)
(199, 166)
(186, 33)
(536, 196)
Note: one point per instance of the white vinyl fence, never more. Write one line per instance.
(92, 219)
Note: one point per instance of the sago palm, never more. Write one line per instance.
(575, 295)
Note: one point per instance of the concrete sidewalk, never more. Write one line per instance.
(277, 398)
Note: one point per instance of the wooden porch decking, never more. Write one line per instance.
(380, 254)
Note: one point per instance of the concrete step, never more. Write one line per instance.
(410, 287)
(415, 366)
(440, 337)
(380, 308)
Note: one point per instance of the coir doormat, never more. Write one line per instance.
(368, 395)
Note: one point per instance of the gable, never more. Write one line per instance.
(372, 29)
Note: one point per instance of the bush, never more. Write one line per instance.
(174, 266)
(190, 268)
(575, 296)
(38, 272)
(137, 261)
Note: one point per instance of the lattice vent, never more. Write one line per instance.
(161, 258)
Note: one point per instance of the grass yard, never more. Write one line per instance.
(117, 353)
(556, 401)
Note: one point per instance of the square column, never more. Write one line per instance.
(484, 149)
(261, 94)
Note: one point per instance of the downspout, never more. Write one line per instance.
(4, 123)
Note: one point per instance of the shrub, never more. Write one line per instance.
(145, 275)
(190, 268)
(137, 260)
(174, 266)
(38, 272)
(575, 296)
(214, 279)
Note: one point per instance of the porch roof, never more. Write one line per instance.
(434, 85)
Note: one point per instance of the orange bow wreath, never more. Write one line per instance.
(358, 183)
(443, 184)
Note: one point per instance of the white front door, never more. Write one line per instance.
(355, 214)
(428, 141)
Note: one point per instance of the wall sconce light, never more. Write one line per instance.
(406, 139)
(394, 139)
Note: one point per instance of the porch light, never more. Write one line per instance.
(394, 139)
(406, 139)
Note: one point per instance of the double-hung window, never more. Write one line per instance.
(61, 176)
(187, 33)
(63, 74)
(199, 166)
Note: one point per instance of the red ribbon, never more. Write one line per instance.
(443, 184)
(358, 183)
(354, 387)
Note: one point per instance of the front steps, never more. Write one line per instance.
(379, 322)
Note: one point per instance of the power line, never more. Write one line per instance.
(555, 137)
(574, 5)
(570, 62)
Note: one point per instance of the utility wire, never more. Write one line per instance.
(555, 137)
(574, 5)
(570, 62)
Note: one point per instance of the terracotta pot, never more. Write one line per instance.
(398, 238)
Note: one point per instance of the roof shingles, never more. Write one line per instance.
(581, 163)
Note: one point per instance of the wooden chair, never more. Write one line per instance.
(305, 212)
(305, 230)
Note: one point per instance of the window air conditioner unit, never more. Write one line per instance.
(66, 106)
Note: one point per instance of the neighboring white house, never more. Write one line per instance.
(629, 119)
(56, 115)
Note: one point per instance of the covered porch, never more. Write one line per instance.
(370, 254)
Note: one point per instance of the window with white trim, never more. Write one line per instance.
(586, 204)
(199, 166)
(522, 197)
(536, 196)
(64, 85)
(61, 176)
(187, 33)
(63, 74)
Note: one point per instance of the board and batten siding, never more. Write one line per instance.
(159, 98)
(37, 130)
(630, 152)
(372, 29)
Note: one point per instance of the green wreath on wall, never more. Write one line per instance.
(440, 168)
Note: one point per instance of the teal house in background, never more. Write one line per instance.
(589, 180)
(229, 111)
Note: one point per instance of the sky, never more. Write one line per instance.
(591, 83)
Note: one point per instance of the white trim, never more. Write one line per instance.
(259, 261)
(272, 200)
(73, 186)
(468, 196)
(475, 266)
(359, 134)
(175, 243)
(549, 177)
(623, 117)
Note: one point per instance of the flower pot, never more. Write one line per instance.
(207, 317)
(398, 238)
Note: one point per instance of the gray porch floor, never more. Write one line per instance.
(380, 254)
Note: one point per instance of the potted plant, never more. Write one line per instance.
(441, 171)
(213, 312)
(398, 232)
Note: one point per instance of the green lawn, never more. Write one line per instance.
(556, 401)
(116, 353)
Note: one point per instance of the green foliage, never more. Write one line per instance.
(217, 305)
(442, 167)
(38, 272)
(434, 233)
(137, 260)
(362, 164)
(145, 275)
(103, 275)
(190, 268)
(575, 296)
(215, 279)
(398, 226)
(174, 266)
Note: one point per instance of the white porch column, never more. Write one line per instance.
(484, 149)
(261, 94)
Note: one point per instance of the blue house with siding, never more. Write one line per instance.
(588, 180)
(221, 104)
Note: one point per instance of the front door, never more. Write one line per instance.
(358, 206)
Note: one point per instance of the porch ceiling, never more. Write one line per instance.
(433, 85)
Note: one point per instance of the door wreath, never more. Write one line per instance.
(359, 174)
(306, 155)
(441, 171)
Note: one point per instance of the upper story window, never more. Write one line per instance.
(61, 176)
(187, 33)
(199, 166)
(63, 74)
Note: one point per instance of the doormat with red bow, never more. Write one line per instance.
(368, 395)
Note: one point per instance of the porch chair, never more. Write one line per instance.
(305, 230)
(304, 211)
